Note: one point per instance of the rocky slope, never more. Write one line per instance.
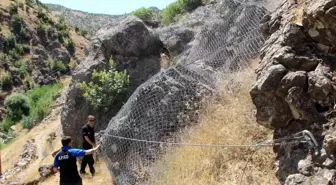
(84, 20)
(295, 88)
(35, 47)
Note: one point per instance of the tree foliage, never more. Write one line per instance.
(16, 106)
(143, 13)
(105, 87)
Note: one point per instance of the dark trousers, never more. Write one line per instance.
(72, 183)
(88, 159)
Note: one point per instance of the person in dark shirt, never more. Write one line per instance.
(89, 142)
(65, 162)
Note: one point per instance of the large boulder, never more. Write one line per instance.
(133, 47)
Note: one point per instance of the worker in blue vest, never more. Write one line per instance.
(65, 162)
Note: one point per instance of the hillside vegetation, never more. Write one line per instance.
(36, 49)
(228, 120)
(83, 21)
(89, 23)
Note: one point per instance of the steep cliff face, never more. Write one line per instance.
(295, 87)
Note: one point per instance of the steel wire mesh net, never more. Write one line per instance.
(168, 104)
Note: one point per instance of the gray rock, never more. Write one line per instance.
(295, 179)
(130, 38)
(305, 166)
(329, 143)
(61, 54)
(175, 38)
(321, 89)
(298, 78)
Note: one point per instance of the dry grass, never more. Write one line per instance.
(227, 120)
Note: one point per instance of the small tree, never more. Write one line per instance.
(13, 8)
(16, 106)
(143, 13)
(105, 87)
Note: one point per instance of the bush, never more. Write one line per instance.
(73, 64)
(143, 13)
(16, 105)
(6, 123)
(41, 99)
(22, 49)
(42, 16)
(10, 39)
(41, 28)
(24, 35)
(13, 8)
(6, 81)
(175, 10)
(14, 55)
(105, 87)
(16, 23)
(21, 5)
(29, 122)
(29, 3)
(60, 66)
(71, 46)
(84, 32)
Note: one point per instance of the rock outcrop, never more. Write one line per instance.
(133, 47)
(295, 88)
(168, 103)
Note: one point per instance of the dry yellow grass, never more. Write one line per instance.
(227, 120)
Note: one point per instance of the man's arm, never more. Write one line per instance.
(87, 139)
(55, 165)
(80, 153)
(86, 136)
(91, 151)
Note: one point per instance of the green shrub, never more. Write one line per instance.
(60, 66)
(22, 49)
(16, 23)
(29, 122)
(41, 99)
(6, 123)
(13, 8)
(16, 105)
(6, 81)
(57, 65)
(24, 35)
(143, 13)
(84, 32)
(22, 68)
(41, 28)
(71, 46)
(42, 16)
(21, 5)
(29, 3)
(72, 64)
(105, 87)
(173, 12)
(14, 54)
(10, 39)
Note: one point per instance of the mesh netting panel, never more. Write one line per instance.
(168, 103)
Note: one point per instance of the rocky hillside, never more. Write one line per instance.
(91, 22)
(296, 87)
(36, 49)
(163, 101)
